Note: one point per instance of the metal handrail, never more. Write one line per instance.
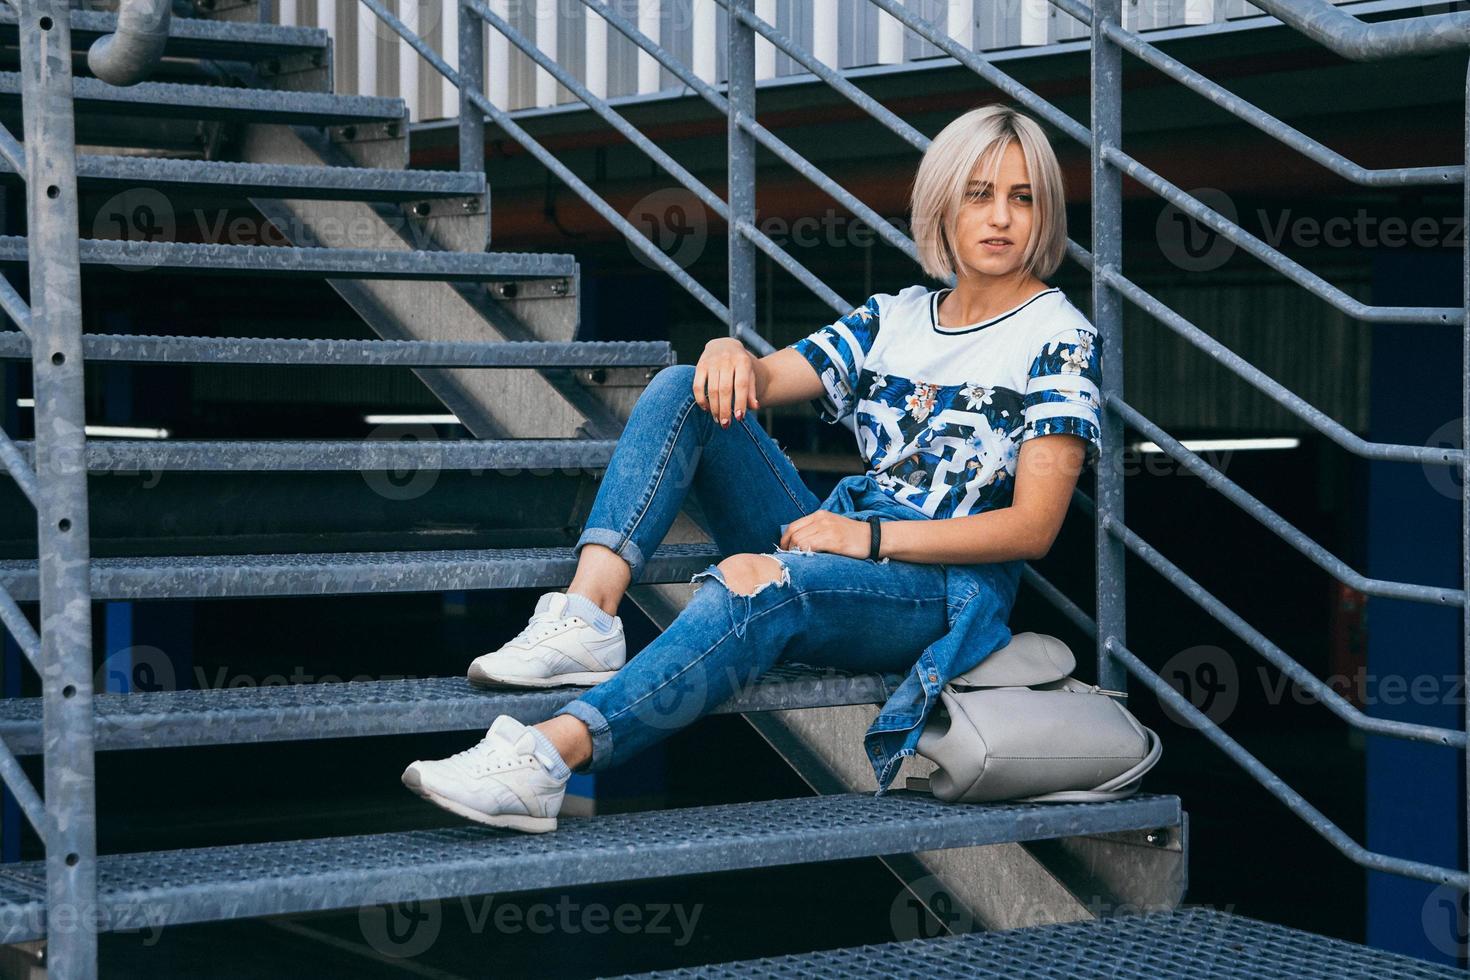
(765, 137)
(628, 130)
(548, 159)
(129, 55)
(1283, 661)
(1272, 257)
(19, 469)
(13, 306)
(1269, 781)
(1273, 389)
(1276, 786)
(1274, 522)
(1344, 34)
(1285, 133)
(20, 628)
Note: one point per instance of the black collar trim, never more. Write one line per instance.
(936, 296)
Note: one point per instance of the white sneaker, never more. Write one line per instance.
(554, 648)
(502, 781)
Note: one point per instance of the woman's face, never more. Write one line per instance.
(994, 223)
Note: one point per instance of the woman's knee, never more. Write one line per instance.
(674, 382)
(746, 574)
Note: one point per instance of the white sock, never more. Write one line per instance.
(585, 608)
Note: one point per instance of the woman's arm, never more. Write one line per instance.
(1046, 473)
(728, 379)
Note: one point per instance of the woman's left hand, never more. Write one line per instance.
(823, 530)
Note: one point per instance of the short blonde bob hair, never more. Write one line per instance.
(980, 137)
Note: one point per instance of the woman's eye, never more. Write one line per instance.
(1024, 198)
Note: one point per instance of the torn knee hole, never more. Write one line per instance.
(748, 575)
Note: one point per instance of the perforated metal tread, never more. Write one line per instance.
(233, 576)
(274, 180)
(1189, 944)
(335, 263)
(377, 353)
(209, 884)
(192, 37)
(170, 100)
(279, 713)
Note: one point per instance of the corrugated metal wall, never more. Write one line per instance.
(847, 33)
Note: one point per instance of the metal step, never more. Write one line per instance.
(1184, 944)
(312, 456)
(376, 353)
(116, 173)
(211, 884)
(335, 263)
(356, 573)
(349, 709)
(169, 100)
(193, 37)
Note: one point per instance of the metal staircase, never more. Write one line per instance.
(494, 336)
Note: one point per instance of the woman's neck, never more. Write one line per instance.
(977, 298)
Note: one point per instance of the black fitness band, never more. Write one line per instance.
(874, 521)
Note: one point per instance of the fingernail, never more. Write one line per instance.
(740, 414)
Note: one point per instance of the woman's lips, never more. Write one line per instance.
(996, 244)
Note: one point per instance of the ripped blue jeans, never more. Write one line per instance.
(820, 609)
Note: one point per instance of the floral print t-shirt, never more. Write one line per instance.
(940, 413)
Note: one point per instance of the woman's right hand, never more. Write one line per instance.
(725, 379)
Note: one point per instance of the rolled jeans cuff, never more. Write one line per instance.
(620, 543)
(602, 742)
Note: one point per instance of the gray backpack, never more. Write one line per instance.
(1017, 726)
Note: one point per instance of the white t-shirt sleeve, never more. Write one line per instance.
(1063, 388)
(837, 353)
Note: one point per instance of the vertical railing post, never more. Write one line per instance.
(60, 456)
(740, 63)
(1107, 316)
(471, 79)
(1465, 461)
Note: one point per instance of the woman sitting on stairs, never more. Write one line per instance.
(911, 567)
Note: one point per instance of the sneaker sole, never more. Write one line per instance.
(582, 678)
(509, 821)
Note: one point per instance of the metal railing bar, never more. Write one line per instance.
(19, 469)
(1351, 38)
(1274, 785)
(604, 110)
(13, 152)
(366, 353)
(1272, 388)
(683, 176)
(982, 67)
(1283, 661)
(1057, 598)
(1289, 268)
(761, 344)
(1277, 524)
(547, 159)
(765, 137)
(847, 89)
(20, 628)
(25, 794)
(1265, 122)
(785, 261)
(811, 172)
(15, 307)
